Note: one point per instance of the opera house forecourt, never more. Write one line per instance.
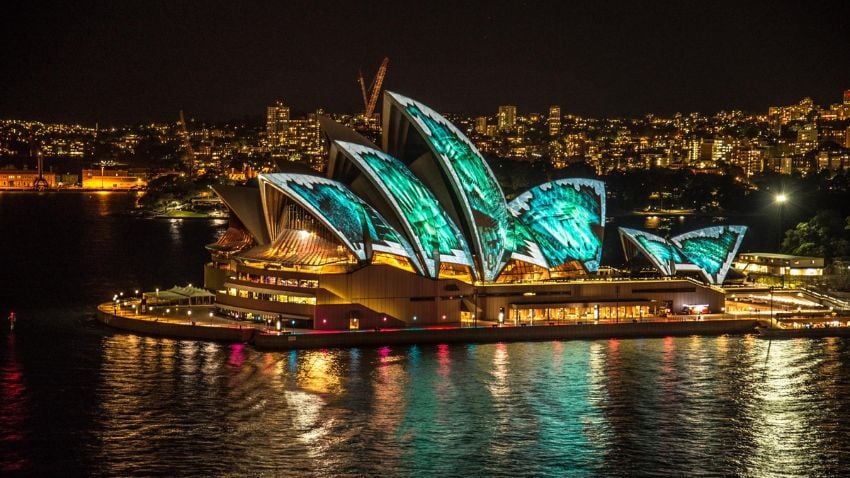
(417, 232)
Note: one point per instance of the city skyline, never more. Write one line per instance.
(259, 119)
(123, 63)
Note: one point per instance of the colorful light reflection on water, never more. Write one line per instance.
(81, 400)
(672, 406)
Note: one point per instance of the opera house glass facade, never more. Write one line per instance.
(418, 232)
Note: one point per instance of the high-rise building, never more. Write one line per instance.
(277, 119)
(554, 121)
(750, 159)
(481, 125)
(700, 152)
(507, 117)
(575, 145)
(847, 97)
(721, 149)
(807, 138)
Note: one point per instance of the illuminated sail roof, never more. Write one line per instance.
(712, 249)
(337, 168)
(245, 204)
(566, 218)
(429, 203)
(522, 244)
(357, 225)
(427, 225)
(663, 255)
(471, 182)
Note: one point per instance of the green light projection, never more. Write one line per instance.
(429, 227)
(522, 245)
(712, 249)
(567, 219)
(658, 250)
(344, 213)
(471, 177)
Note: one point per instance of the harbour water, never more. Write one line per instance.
(79, 399)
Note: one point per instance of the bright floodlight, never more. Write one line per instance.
(781, 198)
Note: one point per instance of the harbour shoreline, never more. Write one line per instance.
(274, 340)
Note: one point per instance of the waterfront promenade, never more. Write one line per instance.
(203, 326)
(210, 327)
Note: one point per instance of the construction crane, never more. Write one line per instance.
(187, 143)
(370, 101)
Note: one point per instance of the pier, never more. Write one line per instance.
(258, 335)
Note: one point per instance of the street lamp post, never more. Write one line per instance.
(780, 199)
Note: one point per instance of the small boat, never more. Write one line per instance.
(803, 332)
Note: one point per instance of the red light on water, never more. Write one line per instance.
(237, 355)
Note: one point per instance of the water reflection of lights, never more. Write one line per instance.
(499, 388)
(721, 342)
(13, 397)
(354, 360)
(293, 362)
(306, 414)
(668, 361)
(316, 373)
(596, 364)
(188, 354)
(271, 367)
(102, 202)
(237, 355)
(793, 417)
(175, 230)
(782, 429)
(500, 393)
(557, 354)
(390, 381)
(444, 360)
(211, 362)
(695, 345)
(652, 222)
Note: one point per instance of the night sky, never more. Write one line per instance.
(124, 62)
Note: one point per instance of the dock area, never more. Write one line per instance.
(260, 336)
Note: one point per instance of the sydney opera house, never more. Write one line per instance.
(419, 232)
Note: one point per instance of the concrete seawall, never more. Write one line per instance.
(176, 330)
(342, 339)
(502, 334)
